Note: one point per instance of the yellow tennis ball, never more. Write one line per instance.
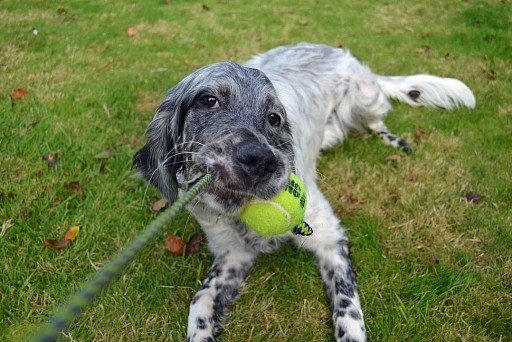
(278, 214)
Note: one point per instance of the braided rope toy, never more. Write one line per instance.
(261, 216)
(102, 279)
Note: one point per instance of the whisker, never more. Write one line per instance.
(168, 157)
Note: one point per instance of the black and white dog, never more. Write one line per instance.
(250, 125)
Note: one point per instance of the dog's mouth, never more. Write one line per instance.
(223, 193)
(218, 188)
(233, 194)
(240, 172)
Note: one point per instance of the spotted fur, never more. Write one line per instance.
(249, 126)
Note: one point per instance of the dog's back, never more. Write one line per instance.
(332, 91)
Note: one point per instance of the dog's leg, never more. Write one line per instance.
(217, 294)
(378, 127)
(361, 103)
(372, 103)
(330, 246)
(340, 281)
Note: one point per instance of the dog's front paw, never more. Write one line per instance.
(349, 326)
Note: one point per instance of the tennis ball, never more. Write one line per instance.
(278, 214)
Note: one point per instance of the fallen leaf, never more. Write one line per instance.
(194, 243)
(473, 197)
(105, 154)
(432, 261)
(75, 185)
(62, 11)
(71, 233)
(420, 134)
(49, 158)
(159, 205)
(57, 244)
(490, 74)
(18, 94)
(205, 7)
(132, 31)
(69, 236)
(447, 55)
(426, 48)
(175, 244)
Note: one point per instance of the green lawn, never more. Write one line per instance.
(431, 266)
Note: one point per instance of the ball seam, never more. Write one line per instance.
(278, 206)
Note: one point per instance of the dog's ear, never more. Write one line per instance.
(156, 173)
(159, 160)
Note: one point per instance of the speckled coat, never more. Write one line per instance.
(250, 125)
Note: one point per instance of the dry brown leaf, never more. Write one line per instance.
(18, 94)
(426, 48)
(490, 74)
(49, 158)
(473, 197)
(175, 244)
(57, 244)
(71, 233)
(132, 31)
(75, 185)
(194, 243)
(159, 205)
(69, 236)
(420, 134)
(432, 261)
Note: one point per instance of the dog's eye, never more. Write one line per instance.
(209, 101)
(274, 119)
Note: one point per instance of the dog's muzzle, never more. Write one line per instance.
(256, 160)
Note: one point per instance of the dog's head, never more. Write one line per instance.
(223, 119)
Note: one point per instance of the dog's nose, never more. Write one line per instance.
(257, 159)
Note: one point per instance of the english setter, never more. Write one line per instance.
(250, 125)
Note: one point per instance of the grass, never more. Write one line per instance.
(431, 266)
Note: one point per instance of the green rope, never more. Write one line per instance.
(101, 279)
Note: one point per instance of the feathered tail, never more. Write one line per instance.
(427, 90)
